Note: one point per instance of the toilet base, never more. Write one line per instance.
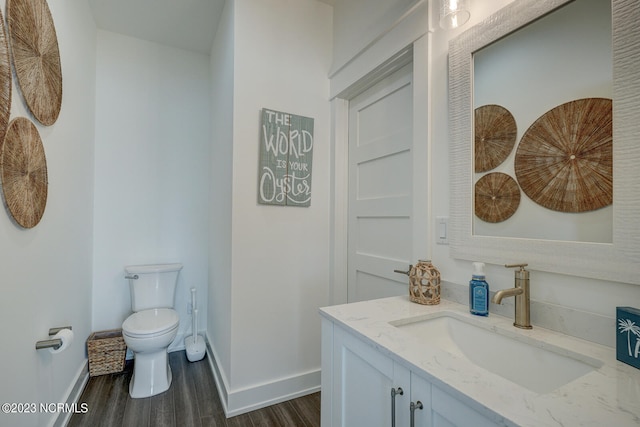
(151, 374)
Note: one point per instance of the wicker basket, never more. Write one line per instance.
(107, 352)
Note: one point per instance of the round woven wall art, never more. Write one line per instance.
(497, 197)
(495, 135)
(36, 57)
(564, 161)
(5, 81)
(24, 172)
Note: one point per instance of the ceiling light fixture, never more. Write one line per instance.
(454, 13)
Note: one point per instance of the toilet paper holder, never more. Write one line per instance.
(52, 343)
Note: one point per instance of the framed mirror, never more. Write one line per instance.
(564, 56)
(614, 257)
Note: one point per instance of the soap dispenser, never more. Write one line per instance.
(478, 291)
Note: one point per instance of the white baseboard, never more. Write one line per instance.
(236, 402)
(263, 395)
(218, 376)
(73, 395)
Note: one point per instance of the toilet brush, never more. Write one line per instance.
(194, 344)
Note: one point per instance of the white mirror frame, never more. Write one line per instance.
(618, 261)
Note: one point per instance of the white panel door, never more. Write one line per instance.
(380, 188)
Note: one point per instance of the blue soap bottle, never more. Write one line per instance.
(478, 291)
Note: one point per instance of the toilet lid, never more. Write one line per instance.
(152, 321)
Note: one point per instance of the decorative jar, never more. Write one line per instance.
(424, 283)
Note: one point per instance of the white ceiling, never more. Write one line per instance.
(184, 24)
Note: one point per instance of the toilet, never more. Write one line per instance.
(152, 326)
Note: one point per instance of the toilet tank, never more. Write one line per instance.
(152, 286)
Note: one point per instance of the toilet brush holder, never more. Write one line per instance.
(195, 348)
(194, 344)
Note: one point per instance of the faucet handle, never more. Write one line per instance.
(521, 274)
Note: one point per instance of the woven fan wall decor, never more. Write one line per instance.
(495, 134)
(564, 161)
(24, 172)
(497, 197)
(5, 81)
(36, 57)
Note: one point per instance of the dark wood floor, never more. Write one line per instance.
(192, 400)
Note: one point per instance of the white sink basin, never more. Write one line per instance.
(531, 363)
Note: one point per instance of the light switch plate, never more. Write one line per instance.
(442, 230)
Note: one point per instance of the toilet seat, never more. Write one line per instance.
(150, 323)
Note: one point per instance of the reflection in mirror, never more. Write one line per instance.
(564, 56)
(616, 260)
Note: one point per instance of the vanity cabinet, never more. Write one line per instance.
(357, 384)
(447, 411)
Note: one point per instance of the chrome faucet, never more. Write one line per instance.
(522, 317)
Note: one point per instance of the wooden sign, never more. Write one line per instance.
(286, 154)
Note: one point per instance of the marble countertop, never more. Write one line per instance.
(606, 396)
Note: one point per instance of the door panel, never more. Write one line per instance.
(389, 103)
(376, 180)
(380, 188)
(382, 237)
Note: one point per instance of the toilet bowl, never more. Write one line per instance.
(148, 333)
(152, 327)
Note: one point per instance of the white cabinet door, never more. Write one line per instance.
(361, 385)
(357, 380)
(421, 393)
(450, 412)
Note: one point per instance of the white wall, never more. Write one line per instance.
(284, 69)
(45, 272)
(220, 199)
(279, 255)
(358, 23)
(151, 172)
